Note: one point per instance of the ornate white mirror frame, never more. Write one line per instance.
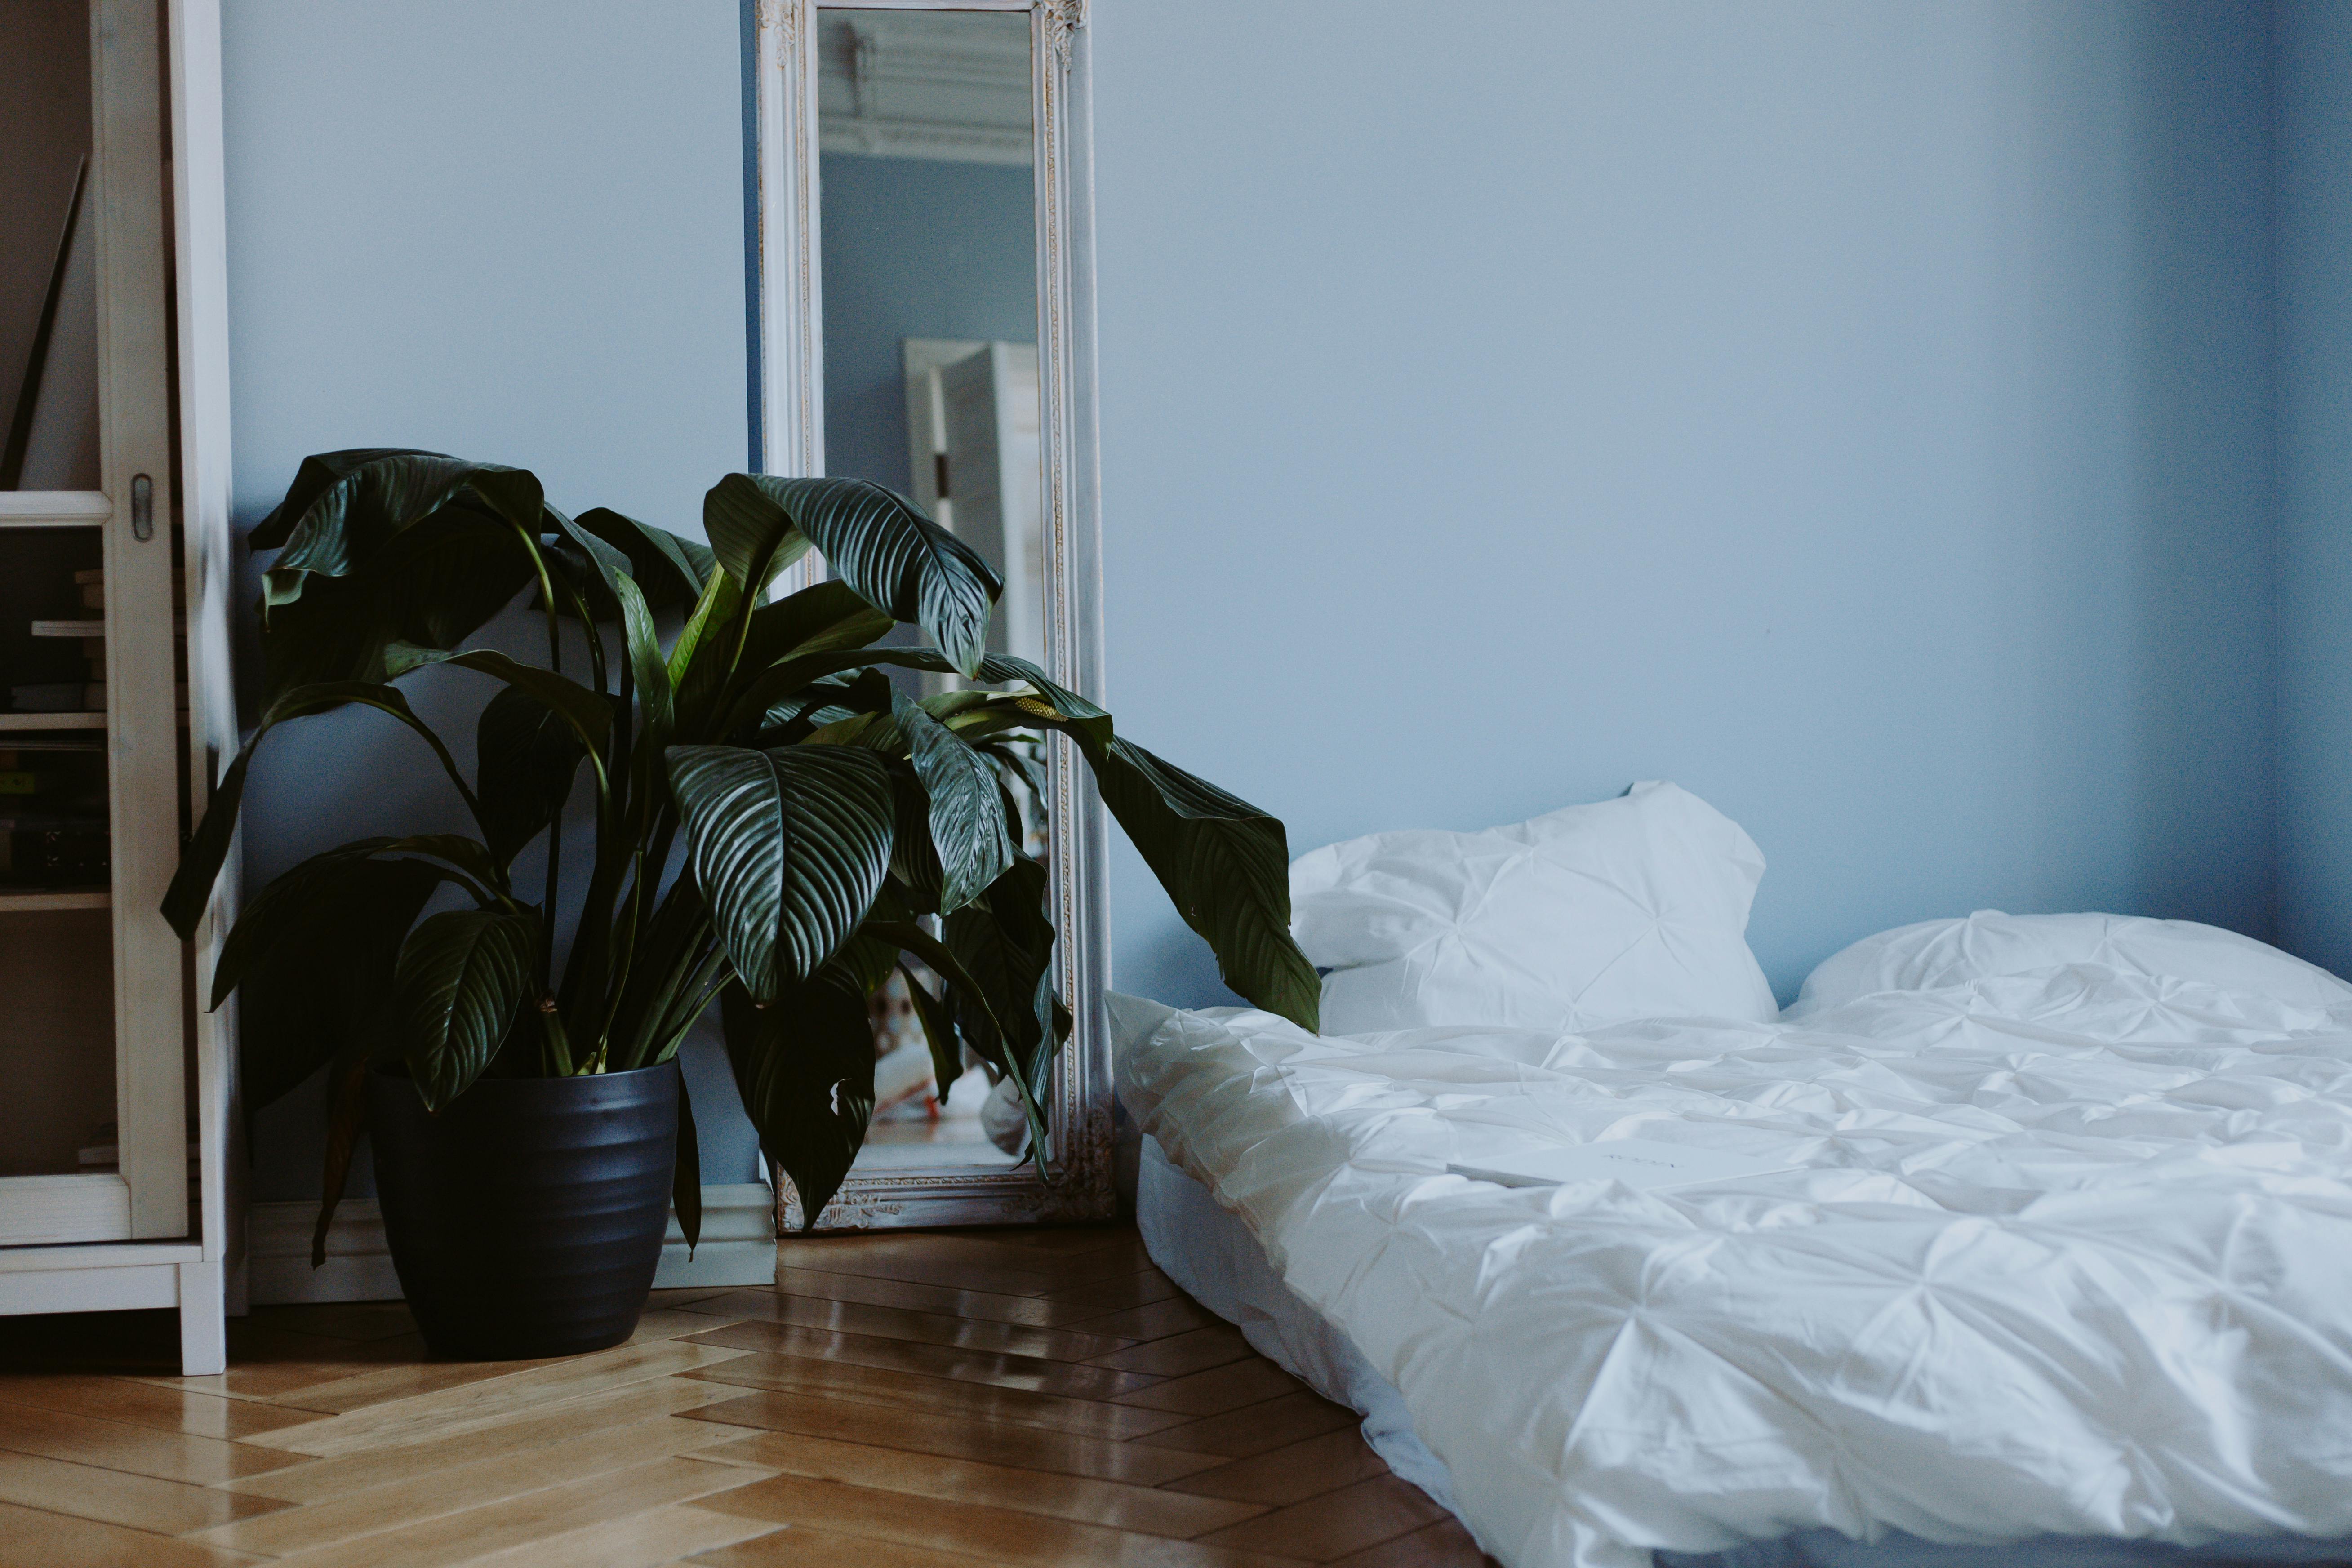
(790, 436)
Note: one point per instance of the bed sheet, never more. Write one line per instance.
(2061, 1254)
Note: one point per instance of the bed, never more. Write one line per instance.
(2056, 1269)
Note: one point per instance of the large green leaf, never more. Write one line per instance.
(655, 698)
(313, 958)
(345, 522)
(1005, 944)
(588, 713)
(200, 861)
(1225, 865)
(967, 811)
(318, 473)
(685, 1173)
(670, 569)
(804, 1065)
(713, 612)
(937, 1015)
(915, 875)
(872, 540)
(526, 757)
(285, 907)
(792, 677)
(434, 584)
(824, 619)
(980, 1021)
(461, 976)
(789, 847)
(346, 1120)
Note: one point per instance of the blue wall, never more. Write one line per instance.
(2315, 453)
(509, 231)
(1857, 412)
(1861, 414)
(914, 248)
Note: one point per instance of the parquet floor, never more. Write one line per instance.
(901, 1400)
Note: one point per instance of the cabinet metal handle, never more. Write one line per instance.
(142, 509)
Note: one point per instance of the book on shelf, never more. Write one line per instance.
(48, 697)
(86, 629)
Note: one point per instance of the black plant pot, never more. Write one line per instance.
(525, 1219)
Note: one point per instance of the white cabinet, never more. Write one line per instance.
(114, 697)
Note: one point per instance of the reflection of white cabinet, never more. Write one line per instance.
(110, 729)
(971, 435)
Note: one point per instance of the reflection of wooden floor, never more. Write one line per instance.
(900, 1399)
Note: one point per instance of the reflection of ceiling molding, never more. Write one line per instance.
(924, 84)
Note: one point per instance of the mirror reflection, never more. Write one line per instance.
(929, 282)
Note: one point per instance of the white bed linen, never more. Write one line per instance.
(1631, 908)
(2072, 1255)
(1213, 1256)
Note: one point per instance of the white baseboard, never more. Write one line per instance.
(738, 1248)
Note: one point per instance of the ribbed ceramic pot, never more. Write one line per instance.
(525, 1219)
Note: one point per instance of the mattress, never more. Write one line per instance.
(2061, 1271)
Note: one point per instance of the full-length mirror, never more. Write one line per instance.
(923, 333)
(928, 213)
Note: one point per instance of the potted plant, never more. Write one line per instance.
(777, 829)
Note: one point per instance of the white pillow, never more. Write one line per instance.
(1988, 943)
(1633, 908)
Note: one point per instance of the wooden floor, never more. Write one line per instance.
(904, 1400)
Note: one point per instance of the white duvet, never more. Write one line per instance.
(2070, 1252)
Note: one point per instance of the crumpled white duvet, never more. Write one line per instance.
(2070, 1253)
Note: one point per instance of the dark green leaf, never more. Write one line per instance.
(345, 522)
(967, 812)
(1006, 946)
(462, 975)
(526, 758)
(1225, 865)
(670, 570)
(984, 1025)
(874, 541)
(686, 1175)
(939, 1033)
(654, 700)
(318, 474)
(915, 872)
(589, 714)
(313, 957)
(200, 862)
(434, 584)
(822, 619)
(804, 1065)
(346, 1120)
(789, 847)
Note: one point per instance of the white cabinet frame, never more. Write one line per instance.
(164, 1251)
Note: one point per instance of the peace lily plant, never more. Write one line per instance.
(777, 826)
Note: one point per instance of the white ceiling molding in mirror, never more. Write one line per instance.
(913, 84)
(886, 95)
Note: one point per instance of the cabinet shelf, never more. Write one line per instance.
(35, 901)
(53, 509)
(51, 721)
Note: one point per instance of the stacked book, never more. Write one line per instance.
(53, 813)
(89, 695)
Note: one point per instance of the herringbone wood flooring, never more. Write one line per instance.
(900, 1400)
